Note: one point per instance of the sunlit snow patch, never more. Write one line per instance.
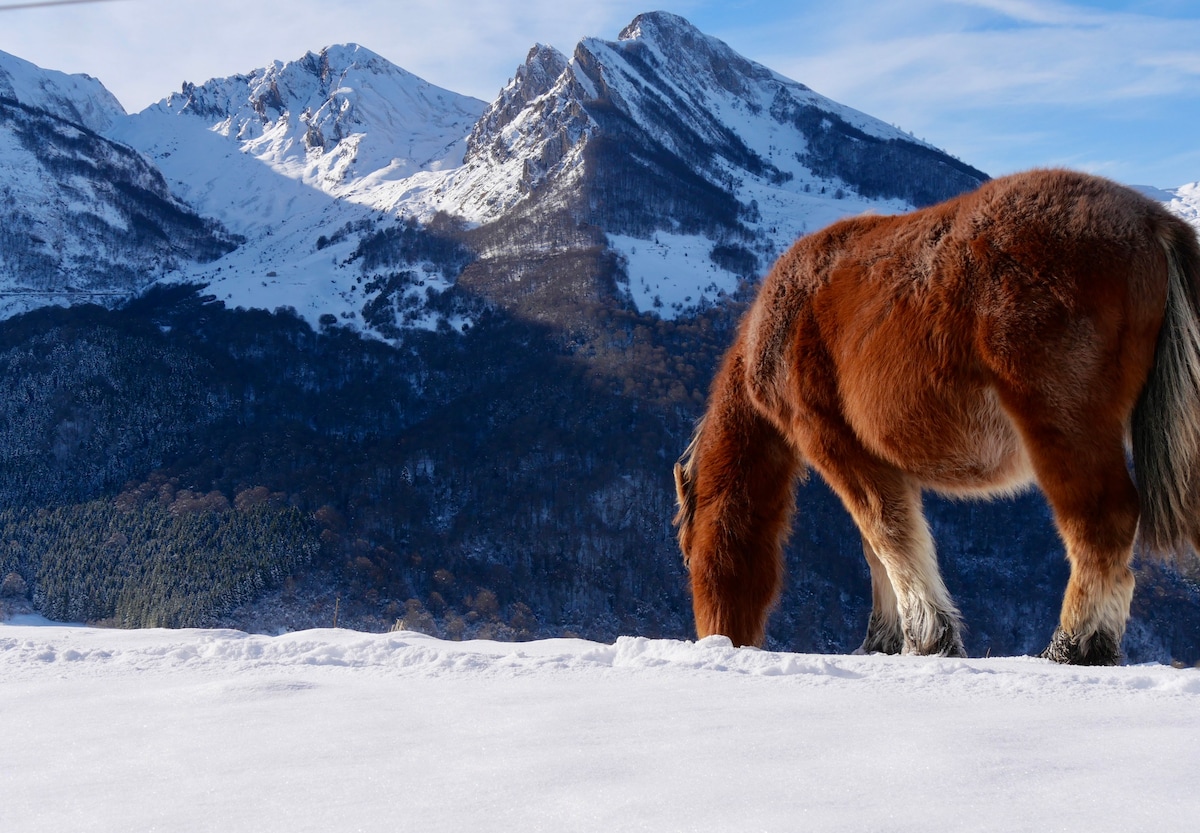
(1185, 202)
(671, 273)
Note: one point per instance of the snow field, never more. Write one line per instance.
(336, 730)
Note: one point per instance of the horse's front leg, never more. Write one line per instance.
(884, 633)
(895, 526)
(886, 506)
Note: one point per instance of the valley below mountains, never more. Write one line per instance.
(327, 344)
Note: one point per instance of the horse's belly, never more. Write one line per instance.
(960, 445)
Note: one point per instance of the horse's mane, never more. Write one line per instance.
(685, 484)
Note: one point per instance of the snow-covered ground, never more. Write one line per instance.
(104, 730)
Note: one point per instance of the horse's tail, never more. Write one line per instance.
(1166, 422)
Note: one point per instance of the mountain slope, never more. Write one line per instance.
(82, 217)
(1185, 201)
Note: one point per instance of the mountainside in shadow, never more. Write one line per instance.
(83, 217)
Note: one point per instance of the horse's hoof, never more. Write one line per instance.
(1098, 649)
(944, 638)
(882, 637)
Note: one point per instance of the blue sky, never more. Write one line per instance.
(1109, 87)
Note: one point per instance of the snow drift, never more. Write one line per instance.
(338, 730)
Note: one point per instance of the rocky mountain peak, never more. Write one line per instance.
(700, 58)
(668, 134)
(543, 67)
(337, 116)
(651, 24)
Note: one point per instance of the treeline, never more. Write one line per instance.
(89, 399)
(181, 563)
(408, 242)
(874, 167)
(487, 456)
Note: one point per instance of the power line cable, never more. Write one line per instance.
(8, 7)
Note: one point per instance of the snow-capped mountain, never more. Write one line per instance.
(296, 155)
(665, 83)
(1185, 201)
(342, 121)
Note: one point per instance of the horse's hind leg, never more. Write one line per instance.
(884, 633)
(1085, 479)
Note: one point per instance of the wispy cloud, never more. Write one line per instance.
(1040, 13)
(966, 53)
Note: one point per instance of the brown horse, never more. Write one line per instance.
(1031, 330)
